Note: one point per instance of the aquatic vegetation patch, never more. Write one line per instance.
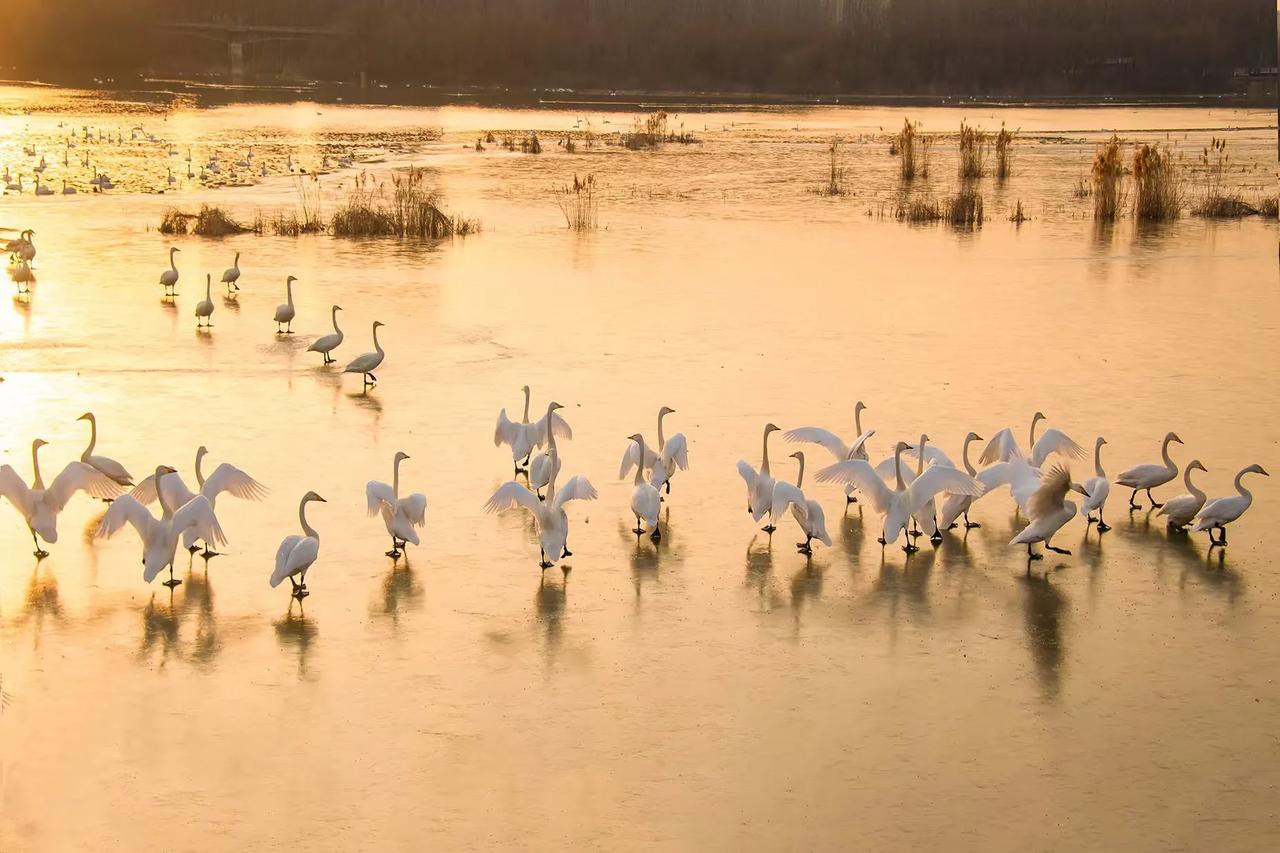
(1158, 188)
(1019, 214)
(835, 172)
(1269, 207)
(1216, 200)
(965, 209)
(1004, 153)
(973, 151)
(211, 221)
(1108, 173)
(579, 203)
(912, 148)
(407, 209)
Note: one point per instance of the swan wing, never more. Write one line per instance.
(885, 471)
(197, 514)
(302, 555)
(175, 488)
(79, 477)
(631, 458)
(511, 494)
(784, 495)
(229, 478)
(578, 488)
(558, 424)
(507, 431)
(1055, 441)
(817, 435)
(817, 523)
(676, 451)
(932, 455)
(378, 493)
(125, 510)
(860, 473)
(414, 508)
(748, 474)
(282, 558)
(937, 479)
(1048, 499)
(1001, 448)
(14, 488)
(858, 450)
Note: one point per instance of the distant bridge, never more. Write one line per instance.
(235, 35)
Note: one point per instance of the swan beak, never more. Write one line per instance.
(1263, 471)
(1076, 487)
(83, 417)
(322, 500)
(977, 437)
(1175, 438)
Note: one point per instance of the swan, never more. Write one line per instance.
(759, 483)
(225, 478)
(1002, 447)
(401, 515)
(171, 179)
(546, 465)
(1096, 489)
(1150, 475)
(808, 514)
(957, 505)
(40, 167)
(14, 187)
(927, 517)
(109, 468)
(160, 535)
(39, 505)
(550, 517)
(328, 343)
(645, 499)
(834, 444)
(285, 312)
(297, 554)
(1048, 510)
(263, 170)
(368, 362)
(1018, 474)
(169, 278)
(22, 276)
(231, 275)
(42, 189)
(66, 190)
(204, 308)
(23, 248)
(662, 463)
(1180, 511)
(899, 503)
(524, 437)
(1220, 512)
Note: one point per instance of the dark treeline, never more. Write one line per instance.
(929, 47)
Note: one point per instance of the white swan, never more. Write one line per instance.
(1220, 512)
(645, 500)
(26, 248)
(15, 187)
(1002, 447)
(171, 180)
(231, 275)
(67, 190)
(328, 343)
(225, 478)
(104, 465)
(545, 467)
(169, 278)
(671, 453)
(369, 361)
(285, 312)
(296, 554)
(40, 506)
(160, 535)
(1150, 475)
(1181, 511)
(899, 503)
(524, 437)
(807, 513)
(550, 517)
(957, 505)
(833, 443)
(42, 189)
(22, 276)
(400, 515)
(759, 483)
(1096, 489)
(204, 308)
(1048, 510)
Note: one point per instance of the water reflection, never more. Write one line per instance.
(1043, 606)
(294, 631)
(40, 602)
(806, 587)
(159, 629)
(399, 590)
(1205, 568)
(549, 603)
(197, 596)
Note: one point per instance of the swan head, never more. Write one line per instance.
(208, 278)
(173, 249)
(312, 496)
(666, 410)
(799, 454)
(400, 454)
(377, 323)
(38, 443)
(637, 438)
(859, 407)
(87, 416)
(1101, 441)
(337, 308)
(290, 279)
(1256, 469)
(1195, 463)
(973, 436)
(901, 446)
(161, 470)
(552, 406)
(201, 451)
(1076, 487)
(1173, 436)
(1036, 418)
(768, 428)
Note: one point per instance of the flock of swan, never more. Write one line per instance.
(925, 497)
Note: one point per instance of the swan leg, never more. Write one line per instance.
(968, 525)
(395, 549)
(567, 552)
(910, 547)
(1057, 550)
(172, 581)
(545, 563)
(936, 536)
(850, 499)
(1103, 527)
(657, 532)
(208, 552)
(769, 528)
(1133, 502)
(1154, 505)
(1032, 555)
(638, 529)
(668, 484)
(192, 548)
(883, 540)
(41, 553)
(804, 547)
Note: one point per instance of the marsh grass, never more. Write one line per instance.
(835, 171)
(647, 132)
(210, 221)
(1158, 188)
(579, 203)
(905, 146)
(405, 209)
(1004, 152)
(965, 209)
(1216, 200)
(1269, 207)
(1108, 173)
(973, 151)
(1082, 189)
(1019, 215)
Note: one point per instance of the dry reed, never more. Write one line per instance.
(211, 221)
(408, 210)
(906, 148)
(1108, 171)
(1004, 152)
(1216, 200)
(579, 203)
(835, 173)
(1157, 187)
(1019, 215)
(973, 151)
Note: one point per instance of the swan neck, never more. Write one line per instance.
(1244, 493)
(1097, 461)
(662, 442)
(857, 420)
(172, 265)
(1031, 440)
(199, 470)
(302, 519)
(526, 405)
(93, 439)
(1191, 487)
(377, 346)
(640, 465)
(335, 321)
(897, 468)
(964, 452)
(395, 479)
(764, 454)
(920, 457)
(35, 467)
(288, 289)
(800, 473)
(1164, 452)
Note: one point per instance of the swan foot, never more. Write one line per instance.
(910, 549)
(769, 528)
(300, 593)
(656, 534)
(1035, 557)
(850, 499)
(969, 525)
(567, 553)
(546, 564)
(881, 540)
(1057, 550)
(637, 530)
(41, 553)
(393, 553)
(1103, 527)
(172, 582)
(936, 537)
(206, 553)
(193, 548)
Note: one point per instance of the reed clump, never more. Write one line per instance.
(835, 171)
(1157, 186)
(408, 209)
(965, 207)
(1216, 200)
(210, 221)
(579, 203)
(1004, 152)
(906, 146)
(647, 132)
(973, 151)
(1108, 172)
(1269, 207)
(917, 210)
(1019, 215)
